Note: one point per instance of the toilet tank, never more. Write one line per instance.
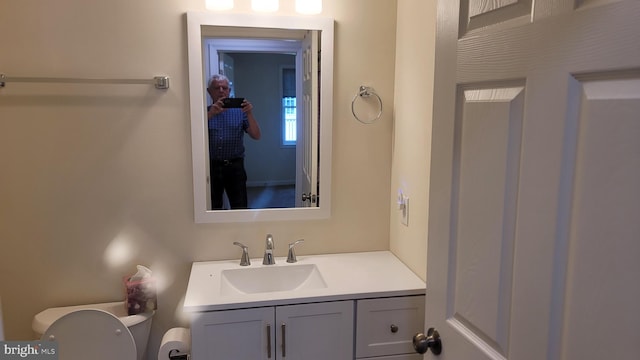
(139, 325)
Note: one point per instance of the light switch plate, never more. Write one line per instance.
(405, 210)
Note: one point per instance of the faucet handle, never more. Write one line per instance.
(291, 258)
(244, 260)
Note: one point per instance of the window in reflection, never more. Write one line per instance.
(289, 109)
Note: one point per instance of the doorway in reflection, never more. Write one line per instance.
(259, 78)
(268, 79)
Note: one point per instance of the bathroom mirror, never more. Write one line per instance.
(239, 45)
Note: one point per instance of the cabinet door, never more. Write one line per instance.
(315, 331)
(233, 335)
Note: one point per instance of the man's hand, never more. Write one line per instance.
(246, 106)
(215, 109)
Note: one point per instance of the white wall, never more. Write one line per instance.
(85, 169)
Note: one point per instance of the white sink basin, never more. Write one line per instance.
(271, 278)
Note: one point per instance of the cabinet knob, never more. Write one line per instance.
(394, 328)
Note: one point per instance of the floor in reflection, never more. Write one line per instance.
(281, 196)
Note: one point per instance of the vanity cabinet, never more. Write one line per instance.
(305, 331)
(386, 326)
(383, 329)
(365, 305)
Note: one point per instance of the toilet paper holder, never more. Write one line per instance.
(178, 356)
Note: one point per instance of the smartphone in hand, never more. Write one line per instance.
(232, 102)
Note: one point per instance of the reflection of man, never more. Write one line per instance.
(226, 148)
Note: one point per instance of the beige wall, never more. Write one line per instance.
(86, 169)
(415, 41)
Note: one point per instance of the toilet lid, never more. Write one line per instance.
(91, 334)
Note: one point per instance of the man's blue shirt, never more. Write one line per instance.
(226, 131)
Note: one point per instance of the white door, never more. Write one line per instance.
(534, 228)
(307, 181)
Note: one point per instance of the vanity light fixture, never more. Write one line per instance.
(265, 5)
(219, 4)
(309, 6)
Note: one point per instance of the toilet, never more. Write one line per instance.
(95, 331)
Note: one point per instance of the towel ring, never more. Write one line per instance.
(365, 92)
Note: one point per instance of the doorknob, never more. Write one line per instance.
(309, 197)
(422, 342)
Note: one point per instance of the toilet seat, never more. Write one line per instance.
(91, 334)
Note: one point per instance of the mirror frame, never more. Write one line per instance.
(197, 100)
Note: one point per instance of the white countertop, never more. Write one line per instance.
(348, 276)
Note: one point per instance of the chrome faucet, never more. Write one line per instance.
(291, 258)
(268, 252)
(244, 261)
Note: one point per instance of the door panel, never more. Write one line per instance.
(534, 195)
(603, 231)
(476, 14)
(488, 146)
